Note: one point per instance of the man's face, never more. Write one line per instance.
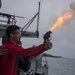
(16, 36)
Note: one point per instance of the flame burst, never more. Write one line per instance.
(61, 20)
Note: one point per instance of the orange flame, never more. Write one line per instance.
(61, 20)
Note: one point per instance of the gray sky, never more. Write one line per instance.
(63, 38)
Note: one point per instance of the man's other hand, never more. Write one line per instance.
(3, 50)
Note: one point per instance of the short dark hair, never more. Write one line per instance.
(11, 29)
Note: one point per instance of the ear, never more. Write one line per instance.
(11, 35)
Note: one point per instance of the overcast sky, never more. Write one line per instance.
(63, 39)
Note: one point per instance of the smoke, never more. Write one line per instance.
(68, 29)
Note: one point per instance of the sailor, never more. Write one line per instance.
(9, 63)
(23, 64)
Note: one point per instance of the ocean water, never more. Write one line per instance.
(61, 66)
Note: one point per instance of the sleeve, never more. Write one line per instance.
(19, 51)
